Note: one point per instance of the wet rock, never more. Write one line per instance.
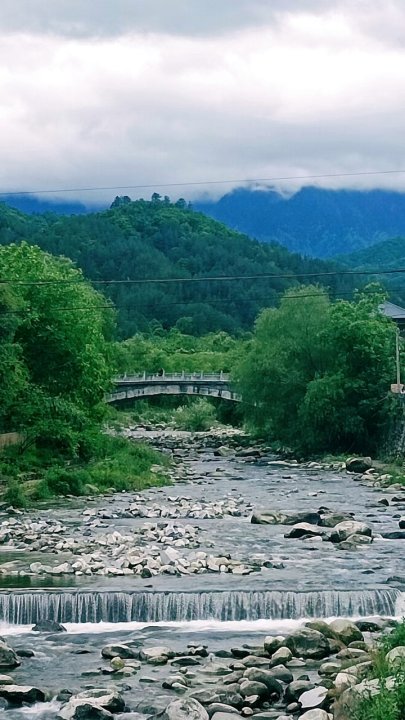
(48, 626)
(83, 710)
(280, 657)
(296, 689)
(359, 464)
(267, 678)
(217, 709)
(253, 687)
(6, 680)
(185, 709)
(316, 715)
(344, 530)
(395, 535)
(396, 657)
(313, 698)
(8, 658)
(272, 517)
(346, 631)
(21, 694)
(272, 644)
(122, 651)
(307, 643)
(157, 655)
(108, 699)
(306, 530)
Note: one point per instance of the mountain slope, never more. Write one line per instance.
(143, 240)
(315, 222)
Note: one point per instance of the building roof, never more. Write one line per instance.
(393, 311)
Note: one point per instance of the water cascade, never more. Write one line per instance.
(26, 608)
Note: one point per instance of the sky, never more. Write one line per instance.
(157, 92)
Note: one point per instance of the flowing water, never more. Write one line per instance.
(310, 578)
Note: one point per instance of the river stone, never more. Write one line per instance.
(358, 464)
(316, 715)
(307, 643)
(6, 680)
(8, 658)
(185, 709)
(122, 651)
(221, 708)
(305, 530)
(353, 541)
(20, 694)
(108, 699)
(48, 626)
(267, 678)
(253, 687)
(322, 627)
(331, 519)
(272, 517)
(280, 657)
(313, 698)
(83, 710)
(272, 644)
(296, 689)
(346, 631)
(281, 673)
(343, 530)
(157, 655)
(396, 657)
(225, 715)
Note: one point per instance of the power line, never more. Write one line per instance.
(196, 183)
(216, 278)
(162, 302)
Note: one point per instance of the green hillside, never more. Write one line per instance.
(386, 255)
(164, 241)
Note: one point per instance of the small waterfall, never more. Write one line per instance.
(26, 608)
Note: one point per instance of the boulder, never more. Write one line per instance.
(358, 464)
(343, 530)
(307, 643)
(346, 631)
(8, 658)
(185, 709)
(122, 651)
(271, 644)
(396, 657)
(21, 694)
(109, 699)
(157, 655)
(313, 698)
(273, 517)
(353, 542)
(48, 626)
(305, 530)
(253, 687)
(316, 715)
(280, 657)
(83, 710)
(267, 678)
(296, 689)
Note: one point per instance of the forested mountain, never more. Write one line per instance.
(315, 222)
(163, 241)
(386, 255)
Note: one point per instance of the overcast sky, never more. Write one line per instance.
(149, 92)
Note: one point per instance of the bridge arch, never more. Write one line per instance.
(135, 387)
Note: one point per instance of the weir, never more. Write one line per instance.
(27, 608)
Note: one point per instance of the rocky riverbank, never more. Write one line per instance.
(317, 672)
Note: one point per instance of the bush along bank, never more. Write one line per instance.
(102, 463)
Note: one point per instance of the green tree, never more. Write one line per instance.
(317, 375)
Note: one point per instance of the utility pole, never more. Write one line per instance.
(397, 357)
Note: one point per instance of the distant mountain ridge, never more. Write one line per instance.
(315, 222)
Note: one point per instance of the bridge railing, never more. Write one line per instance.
(162, 377)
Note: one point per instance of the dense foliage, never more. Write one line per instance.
(165, 242)
(388, 255)
(318, 375)
(313, 221)
(174, 351)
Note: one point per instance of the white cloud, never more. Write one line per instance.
(222, 96)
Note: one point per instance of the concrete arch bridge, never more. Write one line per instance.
(135, 387)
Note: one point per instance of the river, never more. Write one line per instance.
(303, 578)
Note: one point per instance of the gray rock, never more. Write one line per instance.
(48, 626)
(272, 517)
(122, 651)
(185, 709)
(21, 694)
(306, 530)
(280, 657)
(307, 643)
(253, 687)
(343, 530)
(272, 644)
(316, 715)
(296, 689)
(313, 698)
(109, 699)
(346, 631)
(359, 464)
(267, 678)
(396, 657)
(83, 710)
(8, 658)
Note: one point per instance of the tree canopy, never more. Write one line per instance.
(318, 374)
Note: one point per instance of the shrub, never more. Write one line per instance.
(198, 416)
(66, 482)
(15, 494)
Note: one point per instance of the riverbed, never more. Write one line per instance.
(291, 579)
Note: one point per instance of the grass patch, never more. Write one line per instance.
(198, 416)
(389, 703)
(104, 463)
